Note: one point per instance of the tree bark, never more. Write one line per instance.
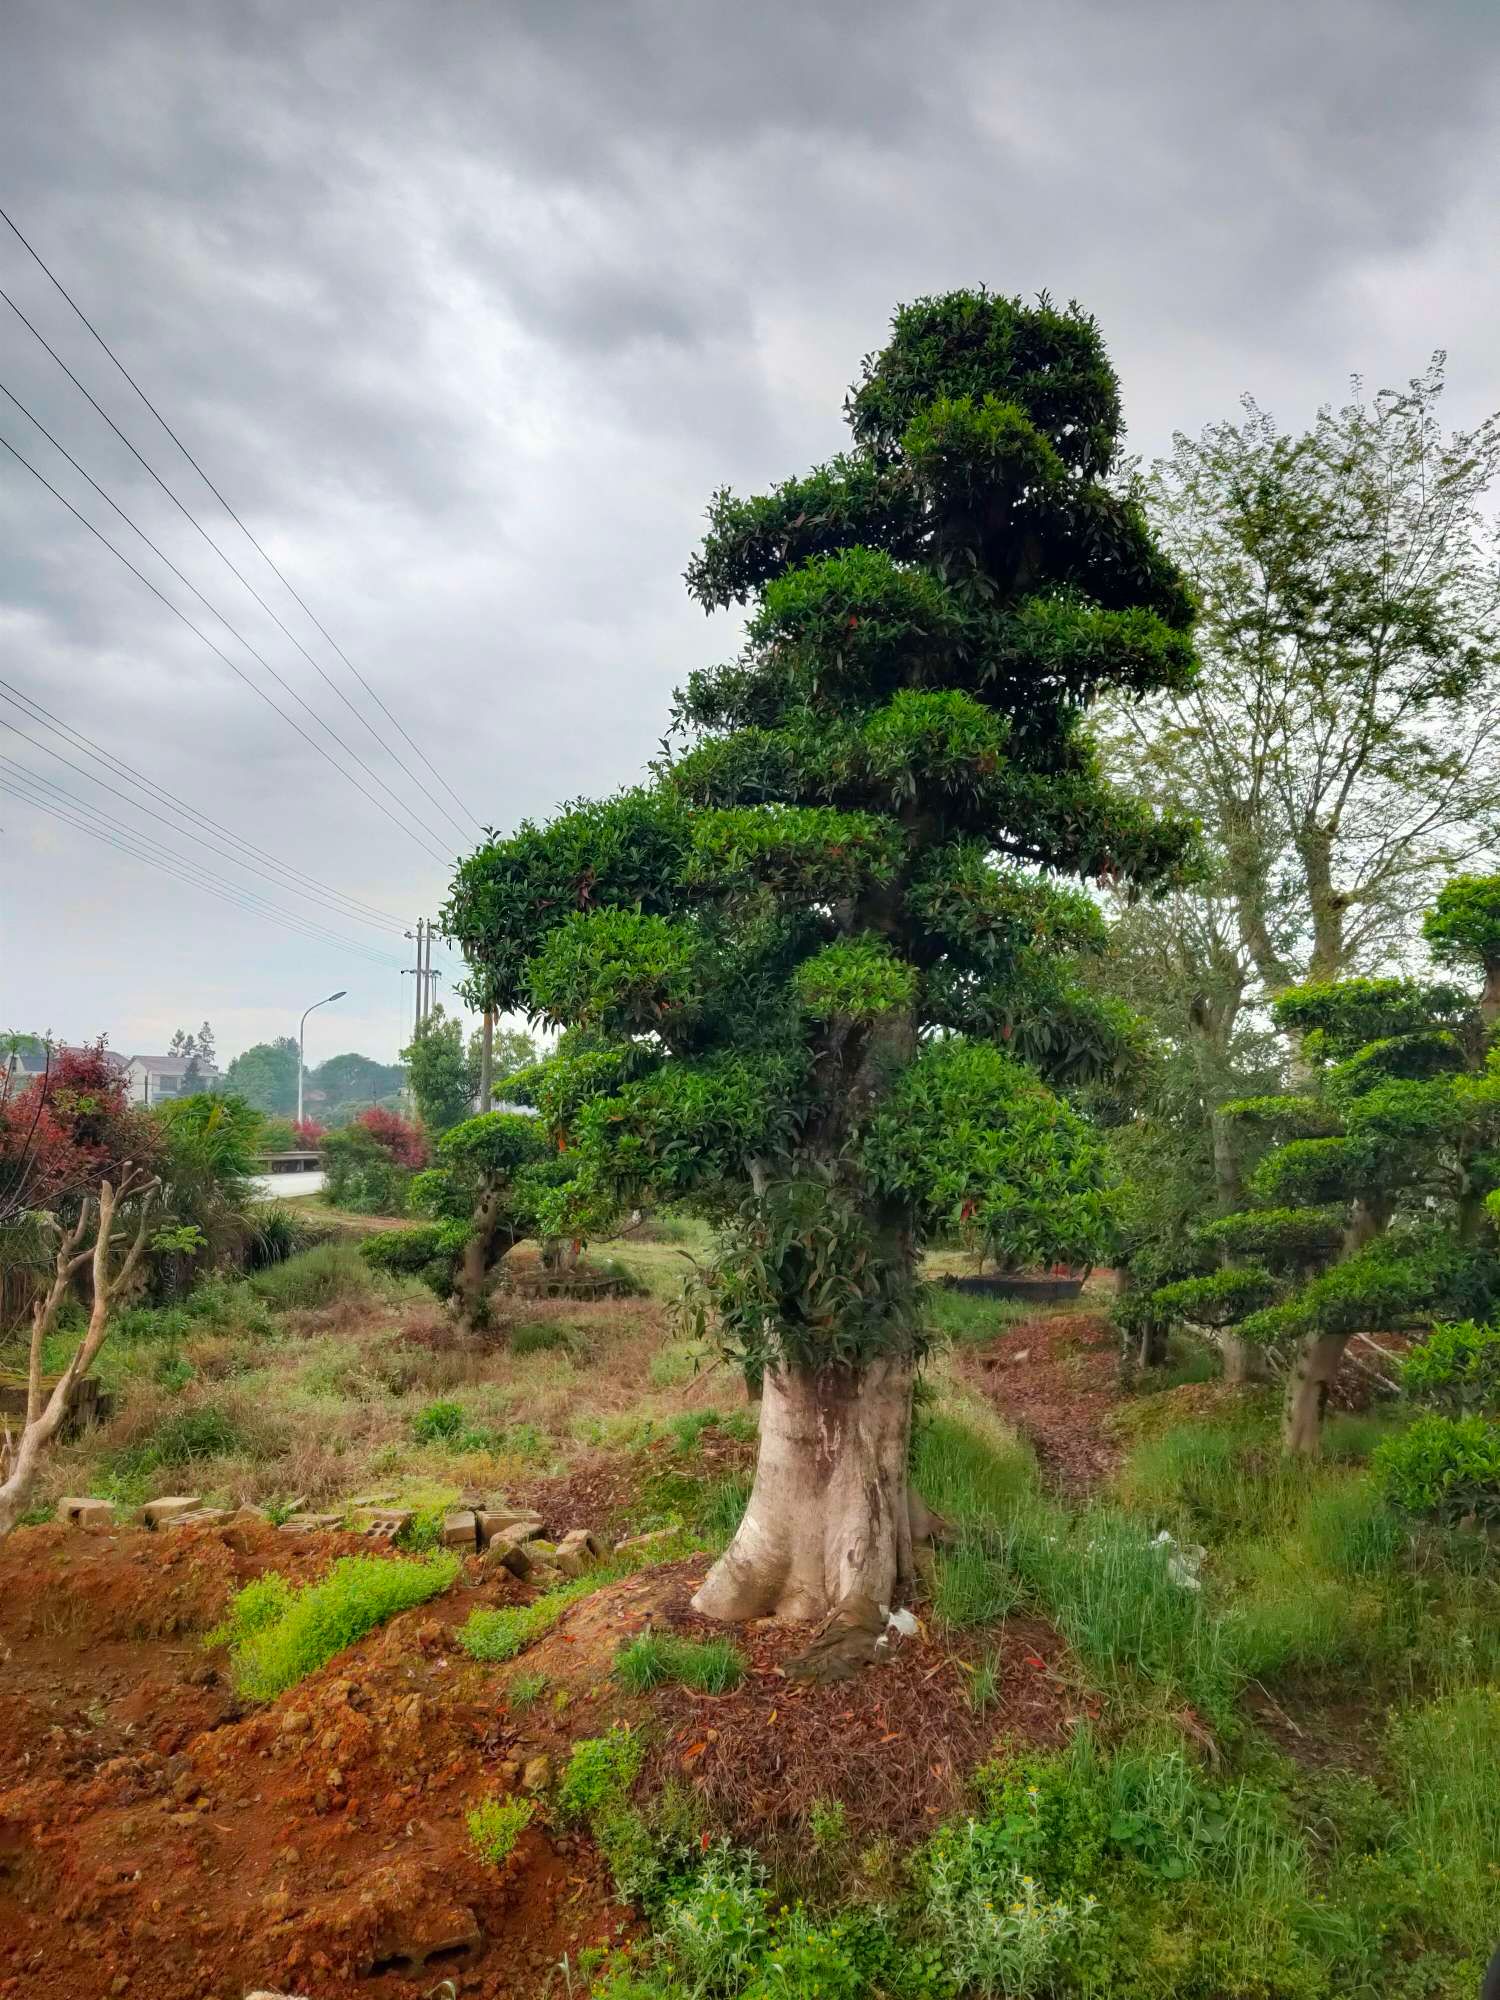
(1244, 1362)
(1307, 1390)
(830, 1513)
(491, 1240)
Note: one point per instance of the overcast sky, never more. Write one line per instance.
(467, 309)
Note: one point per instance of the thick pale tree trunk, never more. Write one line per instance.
(1308, 1386)
(1244, 1362)
(830, 1515)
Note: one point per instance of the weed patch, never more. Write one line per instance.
(600, 1773)
(495, 1825)
(712, 1666)
(278, 1635)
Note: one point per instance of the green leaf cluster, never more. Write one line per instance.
(815, 956)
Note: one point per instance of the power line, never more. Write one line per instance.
(224, 853)
(144, 847)
(35, 712)
(213, 609)
(198, 632)
(73, 304)
(136, 845)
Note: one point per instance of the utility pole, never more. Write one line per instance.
(419, 972)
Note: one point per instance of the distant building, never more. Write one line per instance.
(23, 1066)
(151, 1079)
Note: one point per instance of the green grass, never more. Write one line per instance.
(496, 1633)
(1447, 1755)
(971, 1586)
(968, 1318)
(712, 1666)
(495, 1825)
(322, 1276)
(278, 1634)
(540, 1336)
(969, 1468)
(524, 1690)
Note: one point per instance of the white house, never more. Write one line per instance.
(150, 1079)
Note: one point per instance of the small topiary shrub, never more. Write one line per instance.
(1217, 1300)
(1449, 1466)
(495, 1825)
(278, 1635)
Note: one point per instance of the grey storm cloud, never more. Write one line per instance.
(468, 308)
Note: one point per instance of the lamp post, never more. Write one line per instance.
(301, 1041)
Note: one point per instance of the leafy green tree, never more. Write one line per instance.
(1463, 929)
(350, 1083)
(802, 952)
(1342, 747)
(443, 1075)
(512, 1052)
(1369, 1207)
(206, 1191)
(265, 1076)
(492, 1176)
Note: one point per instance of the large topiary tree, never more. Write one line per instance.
(802, 954)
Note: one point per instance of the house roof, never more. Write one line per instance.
(171, 1065)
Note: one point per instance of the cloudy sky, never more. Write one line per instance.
(466, 307)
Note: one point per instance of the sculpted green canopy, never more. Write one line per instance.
(803, 954)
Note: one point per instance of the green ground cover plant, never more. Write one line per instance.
(495, 1825)
(278, 1633)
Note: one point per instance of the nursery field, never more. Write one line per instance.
(1233, 1720)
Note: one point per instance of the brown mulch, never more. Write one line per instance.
(1055, 1378)
(894, 1745)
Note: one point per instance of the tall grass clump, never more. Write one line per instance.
(1215, 1480)
(1119, 1598)
(969, 1467)
(328, 1274)
(965, 1319)
(1447, 1755)
(278, 1634)
(712, 1666)
(972, 1584)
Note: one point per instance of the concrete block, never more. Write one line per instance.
(515, 1524)
(383, 1524)
(460, 1530)
(310, 1524)
(576, 1552)
(86, 1513)
(171, 1507)
(502, 1553)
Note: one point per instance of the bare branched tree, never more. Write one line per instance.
(94, 1238)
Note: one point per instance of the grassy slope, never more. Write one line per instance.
(1368, 1862)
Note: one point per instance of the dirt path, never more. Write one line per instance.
(1055, 1377)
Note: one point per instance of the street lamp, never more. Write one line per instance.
(301, 1038)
